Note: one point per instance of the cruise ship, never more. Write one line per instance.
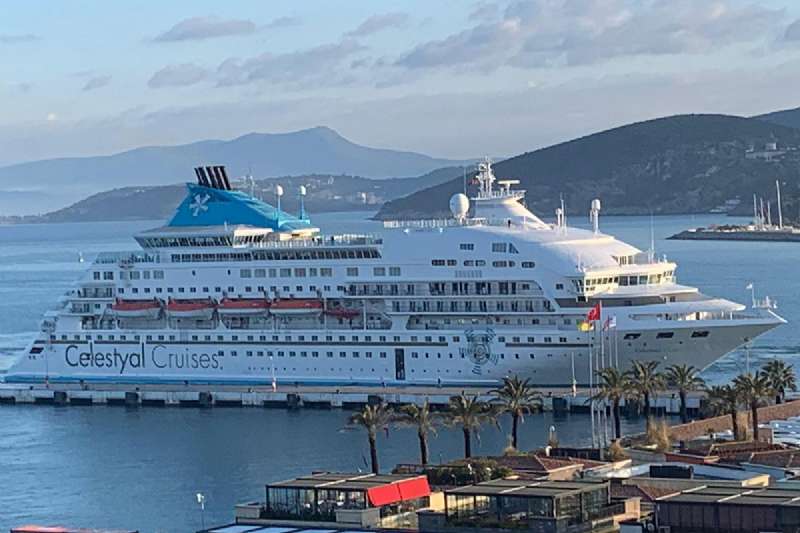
(235, 290)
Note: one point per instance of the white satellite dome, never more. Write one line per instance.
(459, 205)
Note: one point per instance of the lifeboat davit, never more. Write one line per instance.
(343, 312)
(136, 308)
(243, 306)
(295, 307)
(197, 309)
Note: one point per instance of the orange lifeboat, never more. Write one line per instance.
(243, 306)
(136, 308)
(296, 307)
(197, 309)
(346, 313)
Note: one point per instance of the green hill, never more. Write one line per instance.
(677, 164)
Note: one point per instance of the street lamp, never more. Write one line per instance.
(201, 501)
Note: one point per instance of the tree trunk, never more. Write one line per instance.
(373, 453)
(617, 425)
(514, 427)
(467, 443)
(734, 425)
(754, 409)
(423, 448)
(684, 415)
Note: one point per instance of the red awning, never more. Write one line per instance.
(409, 489)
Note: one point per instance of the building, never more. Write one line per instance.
(730, 509)
(340, 500)
(543, 507)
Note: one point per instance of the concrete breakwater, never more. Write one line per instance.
(289, 397)
(744, 235)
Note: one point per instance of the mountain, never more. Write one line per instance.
(677, 164)
(53, 183)
(785, 117)
(324, 193)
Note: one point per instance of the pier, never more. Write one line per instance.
(291, 396)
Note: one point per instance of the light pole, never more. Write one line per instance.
(201, 501)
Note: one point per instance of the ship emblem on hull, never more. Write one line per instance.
(479, 349)
(199, 204)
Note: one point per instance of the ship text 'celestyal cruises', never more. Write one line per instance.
(234, 290)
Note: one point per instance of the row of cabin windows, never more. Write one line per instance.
(266, 338)
(480, 263)
(666, 335)
(312, 272)
(229, 290)
(278, 255)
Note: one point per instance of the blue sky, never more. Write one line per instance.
(449, 78)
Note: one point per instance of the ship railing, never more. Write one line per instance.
(320, 241)
(108, 258)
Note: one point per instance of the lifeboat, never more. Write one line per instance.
(197, 309)
(243, 306)
(346, 313)
(295, 307)
(136, 308)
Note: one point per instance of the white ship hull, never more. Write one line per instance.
(406, 362)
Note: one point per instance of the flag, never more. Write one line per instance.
(594, 313)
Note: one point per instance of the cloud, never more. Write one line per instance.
(793, 31)
(579, 32)
(96, 83)
(378, 23)
(283, 22)
(177, 76)
(198, 28)
(318, 66)
(7, 38)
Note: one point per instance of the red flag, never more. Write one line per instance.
(594, 313)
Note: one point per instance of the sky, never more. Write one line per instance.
(449, 78)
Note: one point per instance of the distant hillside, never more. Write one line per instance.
(324, 193)
(786, 117)
(678, 164)
(49, 184)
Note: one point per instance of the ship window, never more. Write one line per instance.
(699, 334)
(665, 335)
(631, 336)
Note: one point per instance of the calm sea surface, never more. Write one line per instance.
(141, 468)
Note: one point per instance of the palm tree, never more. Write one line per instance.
(421, 418)
(518, 398)
(725, 399)
(613, 387)
(371, 418)
(470, 414)
(781, 378)
(685, 378)
(753, 390)
(646, 381)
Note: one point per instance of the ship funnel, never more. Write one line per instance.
(594, 215)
